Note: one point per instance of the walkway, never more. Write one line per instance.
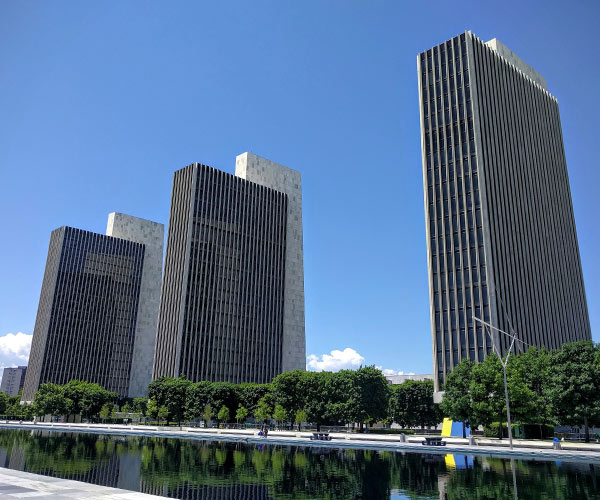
(15, 485)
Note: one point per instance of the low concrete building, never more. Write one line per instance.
(399, 379)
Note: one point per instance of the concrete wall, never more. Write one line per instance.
(270, 174)
(151, 234)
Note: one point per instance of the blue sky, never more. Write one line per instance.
(102, 101)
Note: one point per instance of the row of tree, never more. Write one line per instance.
(360, 397)
(74, 398)
(545, 387)
(349, 396)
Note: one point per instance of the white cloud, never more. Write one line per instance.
(14, 348)
(335, 361)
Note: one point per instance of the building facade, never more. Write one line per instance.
(501, 238)
(88, 321)
(232, 303)
(13, 380)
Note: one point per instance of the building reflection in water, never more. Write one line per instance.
(206, 470)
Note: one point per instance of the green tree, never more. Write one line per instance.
(337, 387)
(300, 418)
(456, 404)
(105, 412)
(279, 414)
(113, 412)
(248, 395)
(488, 397)
(263, 412)
(50, 400)
(487, 393)
(126, 408)
(368, 401)
(286, 391)
(3, 402)
(574, 384)
(198, 395)
(87, 398)
(411, 404)
(16, 410)
(223, 394)
(424, 411)
(152, 408)
(241, 414)
(170, 393)
(527, 377)
(207, 414)
(223, 414)
(139, 405)
(398, 410)
(163, 414)
(312, 386)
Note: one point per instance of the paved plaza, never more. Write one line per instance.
(19, 485)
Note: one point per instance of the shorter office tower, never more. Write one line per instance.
(232, 303)
(13, 380)
(96, 318)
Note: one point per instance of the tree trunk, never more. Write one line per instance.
(464, 429)
(587, 429)
(318, 427)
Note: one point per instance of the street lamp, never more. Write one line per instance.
(504, 363)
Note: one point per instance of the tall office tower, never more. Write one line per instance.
(152, 236)
(98, 307)
(13, 380)
(232, 303)
(501, 238)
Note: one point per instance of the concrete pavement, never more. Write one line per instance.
(16, 484)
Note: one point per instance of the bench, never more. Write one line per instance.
(433, 441)
(320, 436)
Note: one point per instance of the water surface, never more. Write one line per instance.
(199, 470)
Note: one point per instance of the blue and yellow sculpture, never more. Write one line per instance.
(454, 429)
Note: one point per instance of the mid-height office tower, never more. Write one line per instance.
(98, 308)
(501, 238)
(232, 303)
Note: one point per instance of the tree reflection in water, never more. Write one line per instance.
(193, 469)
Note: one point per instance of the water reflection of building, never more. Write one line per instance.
(210, 492)
(129, 471)
(100, 473)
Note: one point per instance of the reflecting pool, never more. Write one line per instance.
(197, 469)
